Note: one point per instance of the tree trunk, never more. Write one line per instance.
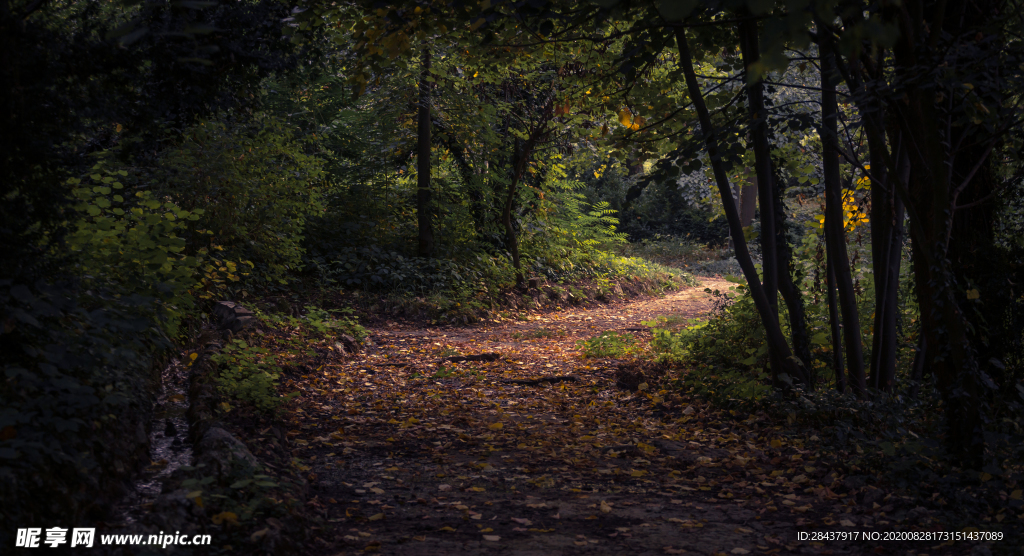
(758, 132)
(424, 218)
(886, 254)
(836, 327)
(835, 236)
(782, 358)
(747, 199)
(789, 288)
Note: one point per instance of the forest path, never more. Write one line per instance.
(409, 454)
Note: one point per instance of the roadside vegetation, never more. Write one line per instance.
(343, 169)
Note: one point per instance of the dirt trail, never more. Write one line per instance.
(410, 454)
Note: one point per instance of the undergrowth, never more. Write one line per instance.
(610, 344)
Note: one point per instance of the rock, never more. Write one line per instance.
(232, 316)
(241, 323)
(350, 343)
(534, 283)
(219, 449)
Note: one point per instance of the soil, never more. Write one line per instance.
(410, 452)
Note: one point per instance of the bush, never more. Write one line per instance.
(249, 375)
(256, 187)
(609, 344)
(131, 246)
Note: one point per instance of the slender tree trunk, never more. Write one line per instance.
(781, 357)
(788, 287)
(917, 370)
(931, 127)
(758, 131)
(424, 218)
(835, 240)
(520, 158)
(836, 327)
(886, 252)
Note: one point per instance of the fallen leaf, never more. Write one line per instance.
(492, 538)
(230, 518)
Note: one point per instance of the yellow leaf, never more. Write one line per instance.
(605, 507)
(973, 294)
(446, 528)
(625, 117)
(230, 518)
(376, 517)
(776, 443)
(495, 426)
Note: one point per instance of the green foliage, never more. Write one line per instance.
(317, 324)
(376, 268)
(539, 334)
(75, 377)
(249, 374)
(609, 344)
(237, 501)
(682, 253)
(576, 225)
(724, 356)
(256, 186)
(132, 246)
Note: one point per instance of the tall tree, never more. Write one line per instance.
(782, 360)
(424, 215)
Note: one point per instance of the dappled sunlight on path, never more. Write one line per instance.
(410, 452)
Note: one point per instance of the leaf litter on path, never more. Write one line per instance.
(430, 449)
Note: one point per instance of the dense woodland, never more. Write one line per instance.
(853, 169)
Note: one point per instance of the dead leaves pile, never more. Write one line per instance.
(400, 435)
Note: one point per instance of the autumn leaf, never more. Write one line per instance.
(226, 517)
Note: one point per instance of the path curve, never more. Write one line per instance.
(412, 454)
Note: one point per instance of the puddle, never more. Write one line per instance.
(168, 445)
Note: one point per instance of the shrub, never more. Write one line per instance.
(131, 245)
(249, 374)
(256, 187)
(609, 344)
